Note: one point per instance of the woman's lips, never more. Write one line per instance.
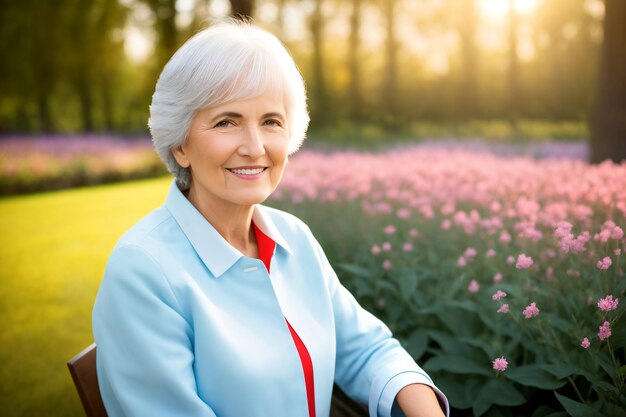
(248, 173)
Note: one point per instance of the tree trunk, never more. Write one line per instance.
(354, 90)
(608, 119)
(513, 77)
(107, 106)
(241, 8)
(390, 82)
(43, 108)
(320, 110)
(469, 105)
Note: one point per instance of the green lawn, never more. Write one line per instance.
(53, 249)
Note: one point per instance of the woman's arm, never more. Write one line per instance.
(145, 350)
(418, 400)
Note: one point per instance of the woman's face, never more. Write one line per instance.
(236, 152)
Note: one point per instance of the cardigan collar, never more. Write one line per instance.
(217, 254)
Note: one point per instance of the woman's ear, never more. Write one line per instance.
(181, 157)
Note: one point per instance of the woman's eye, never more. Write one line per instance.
(272, 122)
(224, 123)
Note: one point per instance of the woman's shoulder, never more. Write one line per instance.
(157, 226)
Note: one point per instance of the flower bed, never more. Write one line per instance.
(49, 163)
(503, 276)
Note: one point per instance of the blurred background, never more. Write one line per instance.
(375, 69)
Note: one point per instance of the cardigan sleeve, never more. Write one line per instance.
(371, 366)
(145, 353)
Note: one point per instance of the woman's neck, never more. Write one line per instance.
(233, 222)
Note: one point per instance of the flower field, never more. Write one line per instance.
(503, 276)
(29, 164)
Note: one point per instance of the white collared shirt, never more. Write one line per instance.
(188, 326)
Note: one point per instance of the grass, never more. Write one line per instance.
(53, 251)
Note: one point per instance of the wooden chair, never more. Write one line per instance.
(83, 370)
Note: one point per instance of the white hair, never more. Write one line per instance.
(226, 62)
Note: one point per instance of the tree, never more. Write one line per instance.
(354, 64)
(468, 100)
(514, 83)
(241, 8)
(608, 119)
(390, 76)
(319, 94)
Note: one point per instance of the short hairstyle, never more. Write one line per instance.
(225, 62)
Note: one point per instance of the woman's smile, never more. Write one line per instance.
(248, 172)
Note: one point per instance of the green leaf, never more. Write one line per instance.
(496, 392)
(543, 411)
(454, 389)
(448, 343)
(560, 371)
(622, 370)
(357, 270)
(558, 323)
(407, 284)
(456, 364)
(417, 343)
(576, 409)
(534, 376)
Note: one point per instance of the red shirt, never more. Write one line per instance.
(266, 250)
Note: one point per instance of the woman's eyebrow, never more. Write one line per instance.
(273, 114)
(227, 114)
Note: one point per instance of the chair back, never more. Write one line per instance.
(83, 370)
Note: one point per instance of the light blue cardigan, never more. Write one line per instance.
(188, 326)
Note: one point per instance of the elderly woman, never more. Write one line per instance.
(214, 305)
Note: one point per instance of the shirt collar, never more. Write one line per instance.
(216, 253)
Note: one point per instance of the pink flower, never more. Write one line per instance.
(605, 263)
(523, 261)
(617, 252)
(504, 308)
(414, 233)
(585, 343)
(505, 237)
(407, 247)
(390, 230)
(490, 253)
(497, 278)
(608, 303)
(510, 260)
(446, 224)
(403, 213)
(563, 229)
(473, 287)
(461, 261)
(531, 311)
(500, 364)
(386, 264)
(470, 253)
(375, 250)
(604, 331)
(498, 295)
(386, 246)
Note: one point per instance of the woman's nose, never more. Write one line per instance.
(252, 144)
